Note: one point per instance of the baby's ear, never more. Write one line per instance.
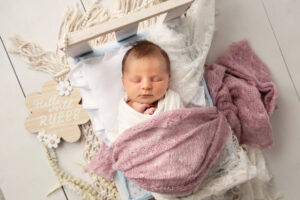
(123, 83)
(169, 81)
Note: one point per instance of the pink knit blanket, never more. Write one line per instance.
(169, 153)
(241, 87)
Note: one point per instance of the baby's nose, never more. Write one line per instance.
(146, 85)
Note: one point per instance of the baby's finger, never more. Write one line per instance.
(140, 107)
(150, 111)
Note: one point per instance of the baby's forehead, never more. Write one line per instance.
(141, 70)
(132, 59)
(153, 56)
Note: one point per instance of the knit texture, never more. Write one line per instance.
(242, 88)
(169, 153)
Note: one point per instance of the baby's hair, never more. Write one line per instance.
(144, 48)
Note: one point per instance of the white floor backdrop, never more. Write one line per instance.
(272, 28)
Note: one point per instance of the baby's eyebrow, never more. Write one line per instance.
(134, 77)
(155, 75)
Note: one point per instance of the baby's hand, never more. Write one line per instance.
(150, 111)
(140, 107)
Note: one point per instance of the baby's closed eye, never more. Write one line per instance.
(156, 79)
(135, 80)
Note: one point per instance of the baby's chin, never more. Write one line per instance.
(146, 101)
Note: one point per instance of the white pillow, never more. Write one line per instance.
(99, 80)
(186, 68)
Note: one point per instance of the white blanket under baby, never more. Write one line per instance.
(186, 40)
(99, 80)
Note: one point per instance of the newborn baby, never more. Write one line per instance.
(146, 76)
(146, 81)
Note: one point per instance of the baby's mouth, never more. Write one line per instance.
(146, 95)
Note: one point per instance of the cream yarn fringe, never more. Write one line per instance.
(82, 188)
(56, 64)
(40, 60)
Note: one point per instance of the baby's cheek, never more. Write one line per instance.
(161, 88)
(132, 89)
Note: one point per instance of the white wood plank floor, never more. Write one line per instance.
(272, 28)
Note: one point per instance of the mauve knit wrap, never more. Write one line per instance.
(241, 87)
(169, 153)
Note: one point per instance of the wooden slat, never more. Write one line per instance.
(77, 39)
(127, 31)
(284, 17)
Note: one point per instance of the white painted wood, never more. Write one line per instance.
(176, 12)
(39, 20)
(247, 19)
(36, 21)
(125, 26)
(284, 17)
(24, 170)
(127, 31)
(79, 49)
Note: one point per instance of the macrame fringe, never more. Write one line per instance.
(39, 59)
(83, 189)
(92, 146)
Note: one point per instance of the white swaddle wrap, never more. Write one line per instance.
(128, 117)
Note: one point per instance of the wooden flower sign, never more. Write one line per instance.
(56, 111)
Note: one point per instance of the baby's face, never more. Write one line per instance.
(146, 79)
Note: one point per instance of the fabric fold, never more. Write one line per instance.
(102, 162)
(169, 153)
(242, 88)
